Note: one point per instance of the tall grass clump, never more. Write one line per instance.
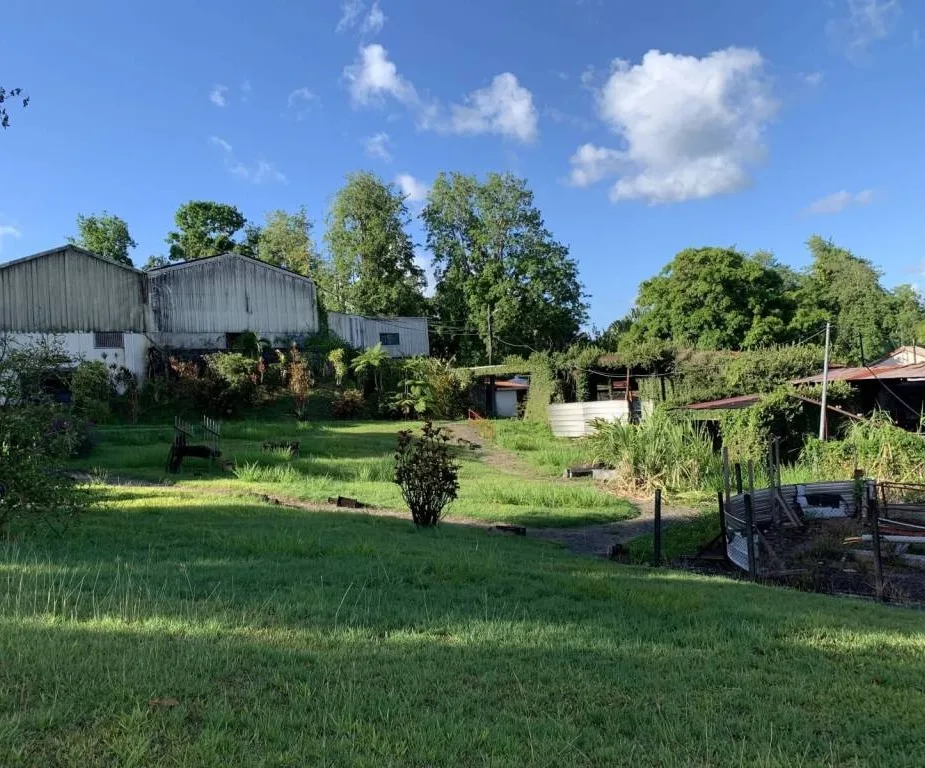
(880, 448)
(662, 451)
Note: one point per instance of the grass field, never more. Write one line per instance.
(192, 625)
(355, 460)
(171, 628)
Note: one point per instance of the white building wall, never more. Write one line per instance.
(505, 403)
(81, 346)
(364, 332)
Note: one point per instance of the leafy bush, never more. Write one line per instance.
(36, 435)
(300, 381)
(338, 360)
(369, 364)
(881, 449)
(348, 404)
(662, 451)
(233, 382)
(426, 474)
(91, 389)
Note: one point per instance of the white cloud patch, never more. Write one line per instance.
(219, 95)
(373, 76)
(375, 20)
(862, 23)
(350, 11)
(377, 146)
(813, 79)
(838, 201)
(353, 13)
(414, 190)
(504, 107)
(690, 127)
(8, 230)
(262, 172)
(246, 90)
(300, 102)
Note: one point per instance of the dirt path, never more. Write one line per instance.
(465, 434)
(598, 540)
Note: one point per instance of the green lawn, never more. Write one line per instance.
(355, 460)
(171, 628)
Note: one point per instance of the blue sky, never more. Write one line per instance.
(643, 128)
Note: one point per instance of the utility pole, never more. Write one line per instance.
(489, 336)
(825, 384)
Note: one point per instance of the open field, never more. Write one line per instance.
(355, 460)
(175, 628)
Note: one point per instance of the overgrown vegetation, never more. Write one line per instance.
(426, 473)
(37, 435)
(662, 451)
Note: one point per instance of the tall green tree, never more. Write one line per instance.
(7, 95)
(714, 298)
(370, 267)
(908, 316)
(105, 235)
(286, 241)
(205, 228)
(845, 289)
(499, 271)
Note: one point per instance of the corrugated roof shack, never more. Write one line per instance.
(399, 336)
(95, 308)
(204, 304)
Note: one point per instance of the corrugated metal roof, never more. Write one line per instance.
(724, 404)
(913, 371)
(62, 249)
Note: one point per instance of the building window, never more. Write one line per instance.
(388, 339)
(109, 340)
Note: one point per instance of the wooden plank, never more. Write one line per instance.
(726, 482)
(750, 538)
(875, 537)
(658, 528)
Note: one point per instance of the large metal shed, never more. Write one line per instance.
(95, 308)
(200, 304)
(399, 336)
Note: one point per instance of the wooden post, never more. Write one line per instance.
(738, 471)
(661, 380)
(777, 462)
(750, 538)
(726, 481)
(658, 528)
(874, 512)
(722, 524)
(751, 476)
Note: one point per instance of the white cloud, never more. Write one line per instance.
(813, 78)
(261, 172)
(504, 107)
(840, 200)
(219, 95)
(350, 11)
(300, 102)
(690, 127)
(8, 230)
(590, 164)
(374, 21)
(377, 146)
(246, 90)
(414, 190)
(862, 23)
(373, 75)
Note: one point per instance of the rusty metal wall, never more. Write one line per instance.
(231, 294)
(68, 290)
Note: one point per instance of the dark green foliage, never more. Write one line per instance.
(371, 268)
(222, 385)
(348, 404)
(36, 436)
(496, 264)
(105, 235)
(204, 229)
(7, 95)
(713, 298)
(286, 241)
(426, 474)
(91, 390)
